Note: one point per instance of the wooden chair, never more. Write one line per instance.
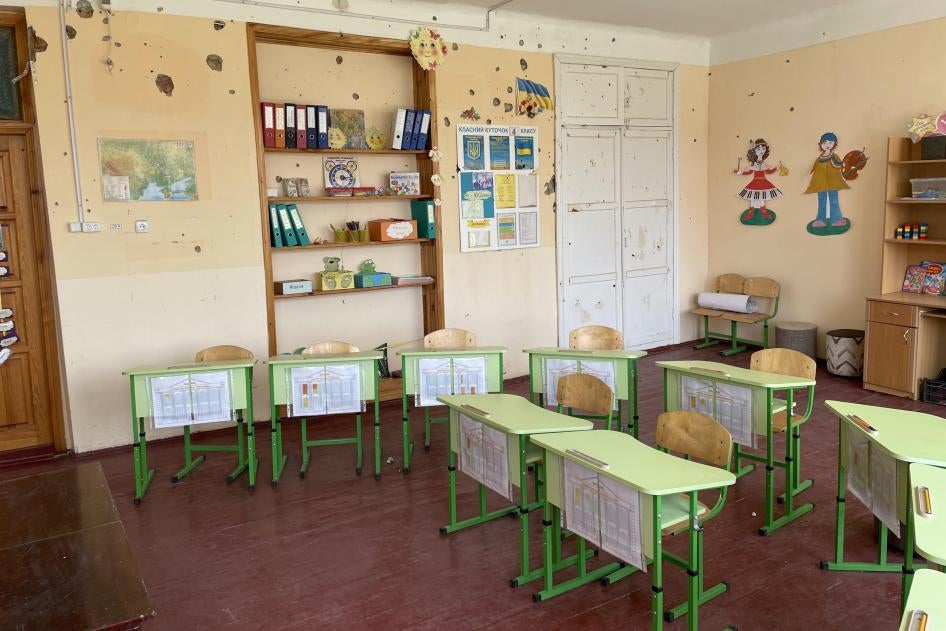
(444, 339)
(585, 392)
(329, 348)
(223, 352)
(785, 361)
(759, 287)
(595, 338)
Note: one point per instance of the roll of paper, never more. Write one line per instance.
(739, 303)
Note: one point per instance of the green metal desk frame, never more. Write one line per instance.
(518, 419)
(494, 383)
(661, 479)
(241, 400)
(737, 344)
(625, 376)
(764, 408)
(910, 437)
(279, 367)
(926, 594)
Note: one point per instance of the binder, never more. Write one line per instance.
(280, 127)
(274, 232)
(407, 142)
(322, 113)
(286, 224)
(301, 235)
(397, 132)
(415, 134)
(269, 124)
(424, 130)
(301, 129)
(422, 211)
(312, 131)
(290, 126)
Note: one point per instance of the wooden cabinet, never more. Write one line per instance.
(890, 355)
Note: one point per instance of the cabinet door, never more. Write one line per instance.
(591, 95)
(891, 350)
(648, 98)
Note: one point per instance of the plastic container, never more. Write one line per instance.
(928, 187)
(934, 390)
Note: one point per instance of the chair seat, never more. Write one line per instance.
(675, 511)
(745, 318)
(713, 313)
(780, 421)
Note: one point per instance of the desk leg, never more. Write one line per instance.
(906, 579)
(791, 513)
(359, 447)
(406, 435)
(632, 386)
(531, 381)
(275, 432)
(695, 570)
(523, 508)
(657, 588)
(190, 463)
(143, 475)
(242, 462)
(377, 432)
(252, 460)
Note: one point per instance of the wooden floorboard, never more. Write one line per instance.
(336, 550)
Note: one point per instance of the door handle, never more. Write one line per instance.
(906, 336)
(891, 313)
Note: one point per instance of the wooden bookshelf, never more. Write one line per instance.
(346, 244)
(423, 87)
(916, 241)
(352, 290)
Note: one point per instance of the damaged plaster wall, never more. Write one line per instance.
(196, 278)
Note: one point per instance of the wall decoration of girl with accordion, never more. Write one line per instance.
(759, 190)
(830, 174)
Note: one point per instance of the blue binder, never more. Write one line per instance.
(274, 232)
(286, 224)
(312, 130)
(407, 143)
(321, 113)
(415, 134)
(424, 130)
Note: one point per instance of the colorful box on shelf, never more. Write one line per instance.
(392, 230)
(378, 279)
(333, 281)
(291, 287)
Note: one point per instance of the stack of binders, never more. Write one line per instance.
(292, 126)
(411, 129)
(286, 227)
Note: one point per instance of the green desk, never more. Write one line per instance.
(926, 595)
(929, 522)
(412, 383)
(668, 488)
(624, 363)
(760, 387)
(281, 393)
(907, 437)
(517, 419)
(239, 375)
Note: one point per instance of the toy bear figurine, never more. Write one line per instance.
(333, 264)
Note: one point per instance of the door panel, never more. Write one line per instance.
(890, 352)
(589, 168)
(646, 235)
(646, 157)
(648, 310)
(648, 98)
(591, 95)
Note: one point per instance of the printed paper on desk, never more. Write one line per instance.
(483, 456)
(434, 379)
(883, 488)
(582, 502)
(330, 389)
(171, 401)
(555, 369)
(858, 465)
(696, 395)
(734, 412)
(210, 396)
(469, 375)
(620, 516)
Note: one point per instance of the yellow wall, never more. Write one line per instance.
(196, 278)
(864, 89)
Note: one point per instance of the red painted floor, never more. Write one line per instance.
(337, 551)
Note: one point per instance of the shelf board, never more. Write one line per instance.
(917, 241)
(343, 152)
(350, 198)
(348, 291)
(917, 162)
(910, 200)
(345, 244)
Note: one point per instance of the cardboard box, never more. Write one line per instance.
(333, 281)
(392, 229)
(291, 287)
(378, 279)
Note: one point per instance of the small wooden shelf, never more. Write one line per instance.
(909, 200)
(349, 198)
(348, 291)
(342, 152)
(349, 244)
(917, 162)
(918, 241)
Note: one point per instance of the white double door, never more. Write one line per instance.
(616, 232)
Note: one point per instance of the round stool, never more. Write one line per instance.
(798, 336)
(845, 352)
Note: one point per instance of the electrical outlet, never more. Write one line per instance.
(75, 226)
(91, 226)
(114, 227)
(141, 225)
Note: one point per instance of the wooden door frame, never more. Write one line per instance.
(42, 239)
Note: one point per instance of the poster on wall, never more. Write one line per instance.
(499, 189)
(829, 175)
(758, 191)
(147, 170)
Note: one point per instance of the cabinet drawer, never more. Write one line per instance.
(891, 313)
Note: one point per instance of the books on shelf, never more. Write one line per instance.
(411, 129)
(412, 279)
(913, 279)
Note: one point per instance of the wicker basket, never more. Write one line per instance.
(798, 336)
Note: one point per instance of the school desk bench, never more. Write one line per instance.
(753, 287)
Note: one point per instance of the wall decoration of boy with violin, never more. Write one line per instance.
(759, 190)
(830, 174)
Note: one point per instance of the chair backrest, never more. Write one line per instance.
(330, 348)
(222, 353)
(595, 337)
(784, 361)
(730, 284)
(695, 434)
(450, 338)
(584, 392)
(762, 287)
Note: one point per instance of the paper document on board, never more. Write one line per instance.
(210, 396)
(469, 375)
(483, 455)
(170, 401)
(433, 378)
(582, 502)
(329, 389)
(696, 395)
(620, 516)
(734, 412)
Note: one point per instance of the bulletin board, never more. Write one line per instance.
(499, 187)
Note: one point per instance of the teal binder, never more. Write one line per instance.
(275, 233)
(286, 224)
(297, 224)
(422, 211)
